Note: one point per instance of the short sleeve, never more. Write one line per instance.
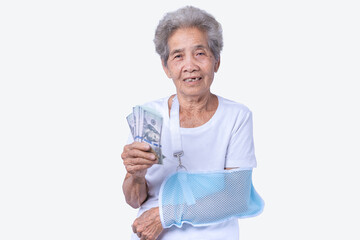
(241, 152)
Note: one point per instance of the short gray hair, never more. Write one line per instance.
(184, 18)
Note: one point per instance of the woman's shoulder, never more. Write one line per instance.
(159, 105)
(233, 106)
(234, 113)
(156, 102)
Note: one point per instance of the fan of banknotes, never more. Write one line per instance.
(145, 125)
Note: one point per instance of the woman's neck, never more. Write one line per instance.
(195, 111)
(197, 104)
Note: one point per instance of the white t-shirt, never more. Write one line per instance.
(225, 141)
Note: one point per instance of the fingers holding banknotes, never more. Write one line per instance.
(138, 157)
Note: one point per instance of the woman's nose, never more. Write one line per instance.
(190, 65)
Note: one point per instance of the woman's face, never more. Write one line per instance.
(191, 64)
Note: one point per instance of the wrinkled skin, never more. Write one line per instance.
(137, 158)
(148, 225)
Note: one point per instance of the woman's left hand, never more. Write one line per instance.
(148, 225)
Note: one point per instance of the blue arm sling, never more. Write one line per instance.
(205, 198)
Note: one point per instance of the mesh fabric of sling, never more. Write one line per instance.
(202, 199)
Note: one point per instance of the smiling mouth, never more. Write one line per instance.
(192, 79)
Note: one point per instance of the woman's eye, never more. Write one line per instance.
(177, 56)
(200, 53)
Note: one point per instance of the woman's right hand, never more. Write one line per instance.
(137, 158)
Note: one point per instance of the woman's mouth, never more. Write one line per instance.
(192, 79)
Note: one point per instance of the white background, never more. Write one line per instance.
(71, 71)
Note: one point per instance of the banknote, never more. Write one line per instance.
(145, 125)
(151, 131)
(136, 113)
(130, 120)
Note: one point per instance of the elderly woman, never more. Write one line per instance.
(216, 133)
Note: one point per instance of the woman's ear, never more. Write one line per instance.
(166, 69)
(217, 65)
